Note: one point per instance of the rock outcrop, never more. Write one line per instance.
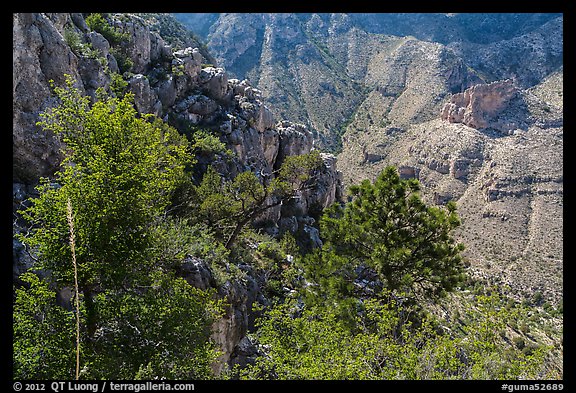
(479, 106)
(39, 55)
(496, 150)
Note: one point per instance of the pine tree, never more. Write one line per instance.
(229, 206)
(388, 235)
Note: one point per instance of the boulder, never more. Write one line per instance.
(159, 50)
(214, 82)
(138, 46)
(197, 273)
(189, 60)
(408, 172)
(166, 91)
(145, 98)
(202, 105)
(295, 139)
(98, 42)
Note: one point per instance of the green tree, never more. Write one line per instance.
(43, 333)
(161, 330)
(119, 172)
(230, 205)
(386, 233)
(302, 342)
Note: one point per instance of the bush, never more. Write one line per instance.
(125, 63)
(519, 342)
(138, 319)
(114, 36)
(82, 49)
(118, 85)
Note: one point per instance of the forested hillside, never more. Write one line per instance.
(168, 223)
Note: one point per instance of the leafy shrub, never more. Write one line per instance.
(82, 49)
(138, 319)
(114, 36)
(124, 61)
(302, 342)
(118, 85)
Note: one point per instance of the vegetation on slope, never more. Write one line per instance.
(362, 306)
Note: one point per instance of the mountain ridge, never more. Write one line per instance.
(395, 74)
(487, 140)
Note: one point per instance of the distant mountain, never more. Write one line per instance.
(314, 67)
(299, 77)
(198, 23)
(376, 87)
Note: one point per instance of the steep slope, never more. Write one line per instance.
(297, 74)
(178, 86)
(407, 68)
(497, 151)
(527, 58)
(478, 28)
(274, 51)
(506, 178)
(199, 23)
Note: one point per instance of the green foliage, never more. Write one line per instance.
(43, 333)
(272, 262)
(117, 84)
(205, 143)
(387, 231)
(315, 343)
(158, 330)
(125, 63)
(228, 206)
(115, 201)
(308, 346)
(299, 172)
(177, 238)
(140, 320)
(82, 49)
(113, 35)
(120, 172)
(177, 69)
(331, 277)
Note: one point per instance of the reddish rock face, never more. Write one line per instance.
(478, 105)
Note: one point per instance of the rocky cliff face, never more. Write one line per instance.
(39, 54)
(175, 84)
(478, 106)
(497, 151)
(321, 68)
(451, 99)
(297, 75)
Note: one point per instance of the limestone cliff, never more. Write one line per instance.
(478, 106)
(496, 150)
(175, 85)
